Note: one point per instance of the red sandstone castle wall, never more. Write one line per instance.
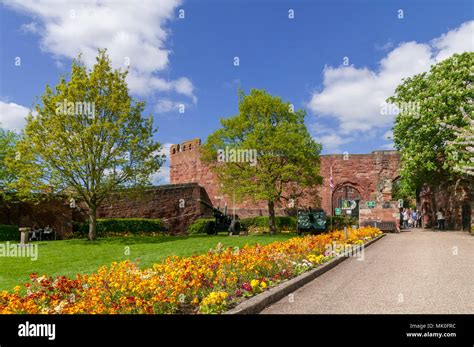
(176, 204)
(455, 198)
(54, 212)
(362, 171)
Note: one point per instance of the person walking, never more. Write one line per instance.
(418, 219)
(440, 217)
(401, 218)
(414, 216)
(405, 218)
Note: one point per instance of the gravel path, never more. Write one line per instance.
(412, 272)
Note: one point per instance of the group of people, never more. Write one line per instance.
(40, 234)
(410, 218)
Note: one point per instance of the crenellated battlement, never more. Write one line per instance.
(191, 145)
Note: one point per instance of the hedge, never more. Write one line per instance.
(199, 226)
(282, 222)
(113, 226)
(9, 233)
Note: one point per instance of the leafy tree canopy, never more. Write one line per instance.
(283, 153)
(87, 137)
(425, 134)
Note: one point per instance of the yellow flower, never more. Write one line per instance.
(214, 298)
(254, 283)
(263, 285)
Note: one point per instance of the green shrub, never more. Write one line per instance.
(339, 222)
(199, 226)
(120, 226)
(9, 233)
(282, 222)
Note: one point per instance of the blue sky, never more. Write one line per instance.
(190, 61)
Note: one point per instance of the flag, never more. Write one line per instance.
(331, 182)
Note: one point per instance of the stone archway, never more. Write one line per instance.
(342, 195)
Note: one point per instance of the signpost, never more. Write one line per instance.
(370, 204)
(337, 211)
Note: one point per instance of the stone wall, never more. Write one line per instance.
(54, 212)
(455, 198)
(387, 211)
(369, 174)
(176, 204)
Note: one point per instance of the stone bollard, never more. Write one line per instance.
(24, 235)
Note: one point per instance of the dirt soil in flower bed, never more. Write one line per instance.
(207, 283)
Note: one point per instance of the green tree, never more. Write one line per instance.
(424, 130)
(284, 153)
(461, 149)
(8, 141)
(87, 138)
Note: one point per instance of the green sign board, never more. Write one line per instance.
(370, 204)
(337, 211)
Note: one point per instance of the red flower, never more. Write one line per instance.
(246, 286)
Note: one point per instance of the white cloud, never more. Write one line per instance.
(163, 176)
(133, 32)
(166, 105)
(332, 143)
(354, 96)
(455, 41)
(388, 135)
(388, 146)
(165, 149)
(29, 28)
(12, 116)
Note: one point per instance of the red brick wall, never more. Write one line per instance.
(381, 213)
(450, 196)
(55, 212)
(362, 171)
(159, 202)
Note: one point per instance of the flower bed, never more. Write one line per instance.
(208, 283)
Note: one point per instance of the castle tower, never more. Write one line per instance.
(184, 162)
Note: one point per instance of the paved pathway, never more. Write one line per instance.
(415, 271)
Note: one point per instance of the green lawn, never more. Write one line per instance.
(69, 257)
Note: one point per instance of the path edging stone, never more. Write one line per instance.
(258, 302)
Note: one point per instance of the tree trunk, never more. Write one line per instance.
(93, 223)
(271, 215)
